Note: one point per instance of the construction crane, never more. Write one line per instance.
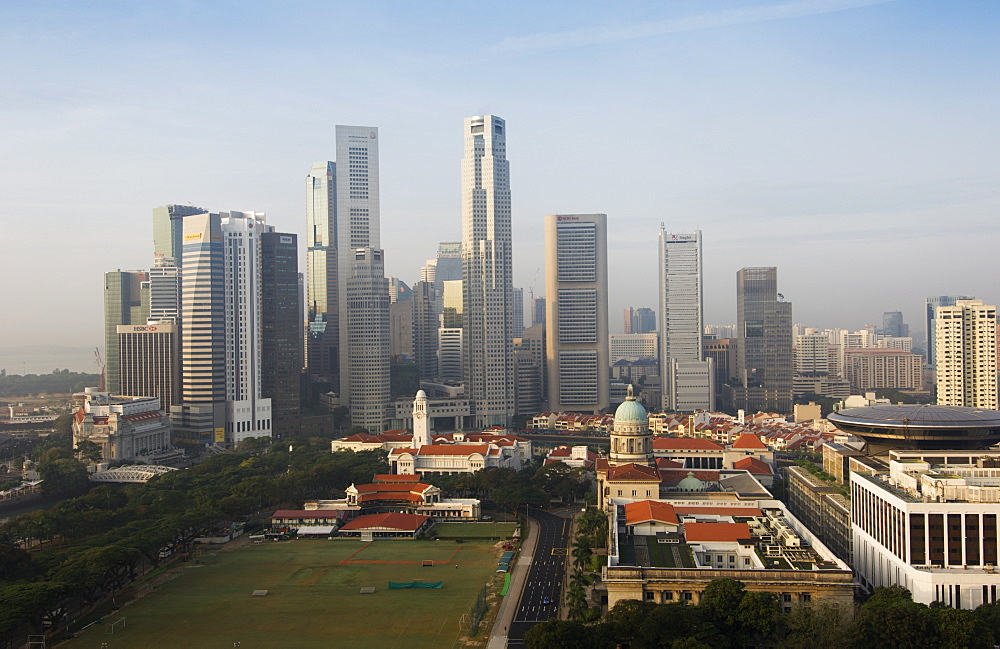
(101, 368)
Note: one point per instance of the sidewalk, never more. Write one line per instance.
(508, 606)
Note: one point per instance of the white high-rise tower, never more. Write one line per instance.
(687, 377)
(351, 233)
(487, 286)
(966, 340)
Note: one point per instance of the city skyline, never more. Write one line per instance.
(768, 119)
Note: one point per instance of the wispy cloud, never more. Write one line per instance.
(617, 33)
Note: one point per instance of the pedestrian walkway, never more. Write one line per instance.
(508, 605)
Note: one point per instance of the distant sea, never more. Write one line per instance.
(42, 359)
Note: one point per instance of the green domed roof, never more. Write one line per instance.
(631, 410)
(690, 483)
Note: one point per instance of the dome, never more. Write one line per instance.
(421, 394)
(690, 483)
(631, 410)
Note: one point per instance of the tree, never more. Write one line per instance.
(758, 614)
(88, 450)
(63, 477)
(960, 629)
(890, 618)
(808, 627)
(560, 634)
(721, 600)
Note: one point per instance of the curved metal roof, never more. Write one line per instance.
(919, 416)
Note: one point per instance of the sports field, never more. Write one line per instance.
(313, 598)
(475, 530)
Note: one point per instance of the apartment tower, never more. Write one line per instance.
(966, 340)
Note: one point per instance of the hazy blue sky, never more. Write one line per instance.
(851, 143)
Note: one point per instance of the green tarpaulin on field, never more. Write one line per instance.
(416, 584)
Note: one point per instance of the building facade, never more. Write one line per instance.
(149, 357)
(764, 359)
(929, 524)
(576, 278)
(687, 378)
(322, 340)
(281, 336)
(126, 302)
(930, 314)
(966, 350)
(874, 368)
(488, 320)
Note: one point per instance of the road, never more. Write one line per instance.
(545, 576)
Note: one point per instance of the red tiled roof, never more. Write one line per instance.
(393, 521)
(752, 465)
(633, 473)
(685, 444)
(664, 463)
(649, 510)
(392, 477)
(706, 532)
(382, 487)
(455, 449)
(145, 416)
(749, 441)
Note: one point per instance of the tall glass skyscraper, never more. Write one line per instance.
(126, 302)
(342, 231)
(764, 356)
(487, 271)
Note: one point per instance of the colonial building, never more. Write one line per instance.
(670, 551)
(125, 428)
(405, 494)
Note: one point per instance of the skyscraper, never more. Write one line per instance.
(201, 415)
(221, 339)
(248, 412)
(487, 272)
(148, 355)
(281, 356)
(966, 338)
(165, 291)
(168, 230)
(764, 356)
(126, 302)
(365, 379)
(576, 279)
(518, 312)
(644, 320)
(687, 378)
(933, 303)
(322, 340)
(343, 232)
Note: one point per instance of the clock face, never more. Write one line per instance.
(372, 135)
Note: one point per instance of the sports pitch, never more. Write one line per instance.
(313, 598)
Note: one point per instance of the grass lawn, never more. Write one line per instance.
(474, 530)
(313, 598)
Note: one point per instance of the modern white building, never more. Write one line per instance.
(363, 291)
(930, 525)
(688, 379)
(488, 314)
(365, 354)
(164, 291)
(576, 281)
(248, 414)
(632, 347)
(966, 354)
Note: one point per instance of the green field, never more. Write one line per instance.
(474, 530)
(313, 599)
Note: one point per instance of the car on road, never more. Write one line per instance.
(546, 600)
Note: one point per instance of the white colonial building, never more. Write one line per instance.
(126, 428)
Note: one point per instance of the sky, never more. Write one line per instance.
(850, 143)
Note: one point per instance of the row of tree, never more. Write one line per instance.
(729, 615)
(58, 382)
